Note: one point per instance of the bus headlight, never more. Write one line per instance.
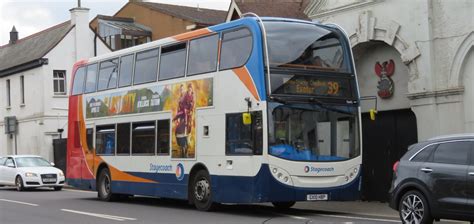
(281, 175)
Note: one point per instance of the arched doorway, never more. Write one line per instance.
(387, 138)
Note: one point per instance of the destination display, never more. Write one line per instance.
(311, 85)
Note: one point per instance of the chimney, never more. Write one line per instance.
(13, 35)
(84, 41)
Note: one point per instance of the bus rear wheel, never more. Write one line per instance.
(201, 191)
(283, 204)
(104, 186)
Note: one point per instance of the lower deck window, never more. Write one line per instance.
(105, 140)
(143, 137)
(123, 138)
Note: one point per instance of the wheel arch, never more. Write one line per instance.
(415, 185)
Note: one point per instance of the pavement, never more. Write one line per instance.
(362, 208)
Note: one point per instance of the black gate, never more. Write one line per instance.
(60, 152)
(385, 140)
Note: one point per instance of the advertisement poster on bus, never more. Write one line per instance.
(181, 99)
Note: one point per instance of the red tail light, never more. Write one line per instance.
(395, 166)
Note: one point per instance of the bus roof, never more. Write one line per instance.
(190, 35)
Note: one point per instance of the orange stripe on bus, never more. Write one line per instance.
(245, 77)
(192, 34)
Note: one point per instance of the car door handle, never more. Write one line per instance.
(426, 170)
(471, 173)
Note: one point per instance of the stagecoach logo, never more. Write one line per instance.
(385, 84)
(180, 172)
(312, 169)
(306, 169)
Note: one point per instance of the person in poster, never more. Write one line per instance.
(184, 118)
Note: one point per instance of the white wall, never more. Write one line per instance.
(432, 38)
(43, 112)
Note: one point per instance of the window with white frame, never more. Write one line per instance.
(59, 82)
(9, 102)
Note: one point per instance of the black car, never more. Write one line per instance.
(435, 180)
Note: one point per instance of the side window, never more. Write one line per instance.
(123, 138)
(89, 138)
(143, 137)
(126, 70)
(236, 48)
(424, 154)
(105, 140)
(91, 78)
(146, 66)
(9, 162)
(203, 55)
(78, 84)
(452, 153)
(108, 74)
(244, 139)
(2, 161)
(172, 61)
(163, 137)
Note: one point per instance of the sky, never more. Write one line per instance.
(32, 16)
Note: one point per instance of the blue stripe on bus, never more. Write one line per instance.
(255, 63)
(228, 189)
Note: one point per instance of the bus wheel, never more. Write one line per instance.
(283, 204)
(201, 191)
(104, 186)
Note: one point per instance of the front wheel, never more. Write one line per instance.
(19, 184)
(413, 208)
(201, 191)
(104, 186)
(283, 204)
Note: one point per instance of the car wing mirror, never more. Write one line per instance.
(52, 164)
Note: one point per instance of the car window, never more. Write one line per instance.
(9, 162)
(2, 161)
(424, 154)
(452, 153)
(32, 162)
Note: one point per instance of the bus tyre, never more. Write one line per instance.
(414, 208)
(104, 186)
(201, 191)
(19, 183)
(283, 204)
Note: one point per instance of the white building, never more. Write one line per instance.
(35, 73)
(431, 45)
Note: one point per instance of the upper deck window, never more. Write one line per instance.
(108, 74)
(203, 55)
(146, 66)
(126, 70)
(236, 48)
(173, 61)
(78, 84)
(91, 78)
(304, 46)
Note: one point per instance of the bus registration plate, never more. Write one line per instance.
(317, 197)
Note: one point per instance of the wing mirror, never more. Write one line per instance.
(52, 164)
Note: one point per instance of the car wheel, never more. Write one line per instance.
(201, 191)
(414, 208)
(104, 186)
(19, 183)
(283, 204)
(58, 188)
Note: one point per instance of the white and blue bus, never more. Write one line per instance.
(254, 110)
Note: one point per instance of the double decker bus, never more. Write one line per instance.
(254, 110)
